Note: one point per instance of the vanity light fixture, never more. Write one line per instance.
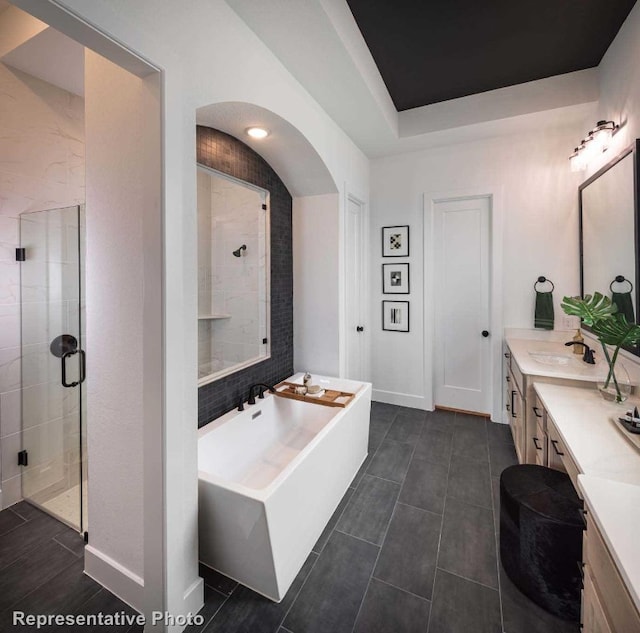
(596, 142)
(257, 132)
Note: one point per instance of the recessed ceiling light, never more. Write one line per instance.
(257, 132)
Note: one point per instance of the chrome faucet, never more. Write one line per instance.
(262, 386)
(588, 352)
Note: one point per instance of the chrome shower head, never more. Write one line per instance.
(238, 252)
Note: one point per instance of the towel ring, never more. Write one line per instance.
(618, 280)
(542, 280)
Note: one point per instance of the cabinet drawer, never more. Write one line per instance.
(536, 435)
(621, 614)
(559, 457)
(517, 377)
(594, 619)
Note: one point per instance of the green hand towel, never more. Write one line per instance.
(544, 316)
(625, 305)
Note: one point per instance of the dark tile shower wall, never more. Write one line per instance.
(229, 155)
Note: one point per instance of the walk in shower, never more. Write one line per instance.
(53, 456)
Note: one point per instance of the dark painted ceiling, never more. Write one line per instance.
(433, 50)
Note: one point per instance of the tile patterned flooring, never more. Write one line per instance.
(412, 548)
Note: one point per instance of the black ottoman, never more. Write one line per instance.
(541, 537)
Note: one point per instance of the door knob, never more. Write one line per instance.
(359, 328)
(485, 333)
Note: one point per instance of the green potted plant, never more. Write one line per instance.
(600, 314)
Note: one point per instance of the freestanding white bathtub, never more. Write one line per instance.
(270, 477)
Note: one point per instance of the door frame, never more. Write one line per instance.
(358, 198)
(495, 195)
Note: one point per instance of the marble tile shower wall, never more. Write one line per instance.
(41, 167)
(230, 156)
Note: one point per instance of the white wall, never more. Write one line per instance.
(41, 167)
(315, 284)
(123, 181)
(538, 194)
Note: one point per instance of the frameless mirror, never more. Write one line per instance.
(233, 275)
(608, 234)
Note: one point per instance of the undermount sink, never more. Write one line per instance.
(548, 358)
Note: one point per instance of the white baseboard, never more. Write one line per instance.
(400, 399)
(119, 580)
(194, 597)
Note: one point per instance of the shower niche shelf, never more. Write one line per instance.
(213, 317)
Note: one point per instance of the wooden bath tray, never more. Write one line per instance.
(330, 397)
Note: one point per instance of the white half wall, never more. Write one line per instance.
(124, 318)
(316, 230)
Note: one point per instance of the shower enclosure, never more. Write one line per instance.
(53, 456)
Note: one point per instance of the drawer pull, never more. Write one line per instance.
(507, 355)
(555, 448)
(513, 406)
(508, 378)
(508, 407)
(583, 517)
(538, 414)
(536, 444)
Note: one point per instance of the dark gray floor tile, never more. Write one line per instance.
(469, 481)
(27, 511)
(375, 439)
(391, 460)
(72, 540)
(32, 570)
(363, 469)
(369, 510)
(412, 414)
(64, 593)
(213, 600)
(216, 580)
(497, 432)
(468, 543)
(470, 420)
(28, 536)
(106, 603)
(501, 455)
(386, 609)
(408, 556)
(383, 411)
(495, 495)
(380, 425)
(9, 520)
(438, 420)
(248, 612)
(405, 429)
(324, 537)
(434, 446)
(331, 597)
(471, 443)
(462, 606)
(520, 615)
(425, 485)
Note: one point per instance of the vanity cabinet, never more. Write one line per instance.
(525, 413)
(607, 606)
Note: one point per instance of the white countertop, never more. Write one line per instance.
(610, 469)
(587, 425)
(575, 369)
(615, 508)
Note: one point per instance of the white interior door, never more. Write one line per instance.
(354, 290)
(462, 363)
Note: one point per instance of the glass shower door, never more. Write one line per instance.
(53, 368)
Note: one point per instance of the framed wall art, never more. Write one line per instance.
(395, 279)
(395, 241)
(395, 316)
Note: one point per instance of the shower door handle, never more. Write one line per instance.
(63, 359)
(83, 365)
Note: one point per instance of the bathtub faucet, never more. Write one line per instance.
(262, 387)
